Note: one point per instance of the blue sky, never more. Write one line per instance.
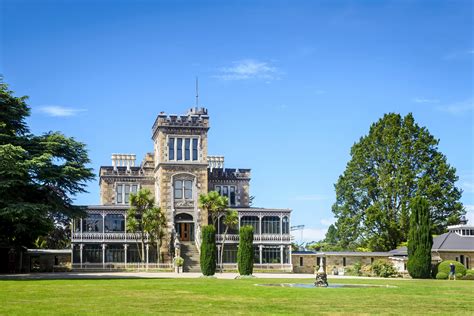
(290, 85)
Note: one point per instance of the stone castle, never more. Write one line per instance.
(177, 172)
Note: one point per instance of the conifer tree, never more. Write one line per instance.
(245, 252)
(420, 240)
(395, 162)
(208, 256)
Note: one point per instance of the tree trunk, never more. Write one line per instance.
(222, 249)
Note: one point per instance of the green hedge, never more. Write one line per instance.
(208, 250)
(245, 253)
(444, 267)
(441, 276)
(469, 272)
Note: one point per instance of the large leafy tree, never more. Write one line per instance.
(420, 240)
(395, 162)
(39, 176)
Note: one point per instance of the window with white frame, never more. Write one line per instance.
(229, 191)
(183, 189)
(122, 192)
(270, 225)
(285, 225)
(183, 148)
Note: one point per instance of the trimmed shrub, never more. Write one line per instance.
(354, 270)
(384, 269)
(469, 272)
(419, 240)
(208, 250)
(468, 277)
(441, 276)
(245, 252)
(444, 267)
(459, 276)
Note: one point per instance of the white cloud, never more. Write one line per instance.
(248, 69)
(459, 54)
(309, 234)
(470, 214)
(425, 100)
(60, 111)
(311, 197)
(458, 107)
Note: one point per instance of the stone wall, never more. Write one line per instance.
(309, 263)
(457, 257)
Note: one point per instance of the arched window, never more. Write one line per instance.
(285, 225)
(183, 217)
(270, 225)
(252, 221)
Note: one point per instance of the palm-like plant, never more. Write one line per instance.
(231, 220)
(145, 218)
(214, 204)
(154, 224)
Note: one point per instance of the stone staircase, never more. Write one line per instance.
(190, 255)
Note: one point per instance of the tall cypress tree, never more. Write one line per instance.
(420, 240)
(245, 252)
(208, 250)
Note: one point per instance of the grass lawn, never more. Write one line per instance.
(212, 296)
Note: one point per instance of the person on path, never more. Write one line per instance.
(452, 271)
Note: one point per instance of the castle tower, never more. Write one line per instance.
(180, 155)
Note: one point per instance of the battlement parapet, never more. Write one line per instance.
(229, 174)
(194, 118)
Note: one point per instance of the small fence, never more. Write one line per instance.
(261, 267)
(120, 266)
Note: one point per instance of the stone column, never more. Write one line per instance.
(81, 246)
(103, 256)
(125, 248)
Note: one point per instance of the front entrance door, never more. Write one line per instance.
(184, 231)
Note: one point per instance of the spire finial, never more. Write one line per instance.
(197, 91)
